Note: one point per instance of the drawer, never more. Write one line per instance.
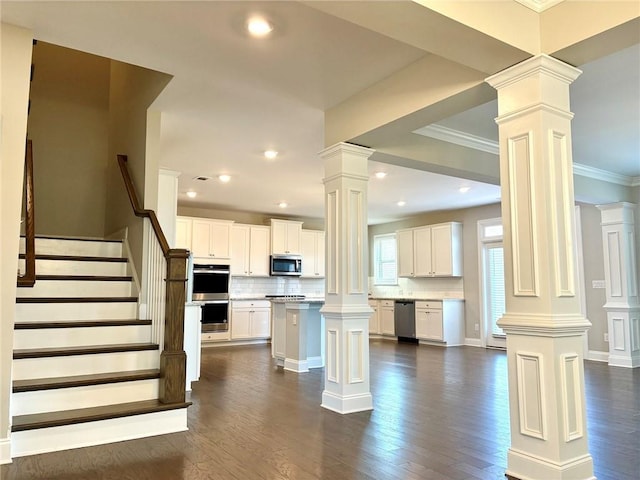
(373, 303)
(429, 304)
(387, 303)
(251, 304)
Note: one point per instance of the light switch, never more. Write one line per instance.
(598, 284)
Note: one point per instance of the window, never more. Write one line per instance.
(384, 260)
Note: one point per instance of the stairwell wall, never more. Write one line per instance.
(15, 52)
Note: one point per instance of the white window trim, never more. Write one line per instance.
(375, 261)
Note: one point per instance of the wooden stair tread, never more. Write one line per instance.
(76, 299)
(88, 278)
(77, 239)
(34, 384)
(76, 258)
(81, 323)
(82, 350)
(82, 415)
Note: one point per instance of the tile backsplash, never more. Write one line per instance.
(419, 288)
(258, 286)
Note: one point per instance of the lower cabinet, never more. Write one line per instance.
(374, 320)
(440, 321)
(386, 312)
(250, 319)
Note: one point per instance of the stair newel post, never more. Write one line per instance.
(173, 358)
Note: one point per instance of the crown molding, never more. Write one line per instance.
(604, 175)
(539, 6)
(459, 138)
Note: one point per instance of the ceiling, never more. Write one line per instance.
(233, 97)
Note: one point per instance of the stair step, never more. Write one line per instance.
(82, 350)
(77, 258)
(80, 324)
(76, 299)
(74, 337)
(75, 246)
(35, 384)
(86, 278)
(83, 415)
(55, 265)
(80, 288)
(51, 312)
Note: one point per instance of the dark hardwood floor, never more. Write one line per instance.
(439, 414)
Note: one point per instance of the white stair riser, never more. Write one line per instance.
(32, 442)
(29, 368)
(77, 267)
(45, 312)
(55, 246)
(26, 403)
(77, 288)
(75, 337)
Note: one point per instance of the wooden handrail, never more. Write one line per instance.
(137, 208)
(173, 360)
(29, 277)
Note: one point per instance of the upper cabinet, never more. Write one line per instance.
(285, 237)
(312, 248)
(211, 238)
(430, 251)
(250, 250)
(183, 232)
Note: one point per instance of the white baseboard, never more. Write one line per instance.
(597, 356)
(298, 366)
(5, 451)
(473, 342)
(32, 442)
(233, 343)
(315, 362)
(347, 403)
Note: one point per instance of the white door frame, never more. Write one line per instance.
(484, 240)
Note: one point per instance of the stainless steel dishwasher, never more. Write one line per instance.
(405, 319)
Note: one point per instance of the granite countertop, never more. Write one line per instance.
(419, 299)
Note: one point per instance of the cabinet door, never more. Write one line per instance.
(441, 250)
(219, 241)
(240, 235)
(183, 233)
(293, 231)
(308, 251)
(422, 329)
(259, 252)
(278, 237)
(374, 320)
(404, 238)
(387, 322)
(200, 237)
(433, 326)
(260, 323)
(319, 255)
(422, 252)
(240, 323)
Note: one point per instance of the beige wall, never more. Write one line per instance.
(15, 45)
(68, 123)
(469, 219)
(131, 91)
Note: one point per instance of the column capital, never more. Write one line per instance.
(614, 213)
(535, 66)
(346, 160)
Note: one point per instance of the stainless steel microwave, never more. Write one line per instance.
(290, 265)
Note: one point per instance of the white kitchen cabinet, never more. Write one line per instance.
(183, 232)
(386, 313)
(374, 320)
(312, 248)
(440, 321)
(211, 238)
(250, 319)
(430, 251)
(250, 250)
(285, 237)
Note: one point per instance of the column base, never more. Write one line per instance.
(580, 468)
(315, 362)
(298, 366)
(5, 450)
(344, 404)
(624, 361)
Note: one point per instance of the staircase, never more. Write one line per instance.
(85, 371)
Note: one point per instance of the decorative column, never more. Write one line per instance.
(346, 309)
(543, 323)
(621, 281)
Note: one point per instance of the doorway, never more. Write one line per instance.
(492, 285)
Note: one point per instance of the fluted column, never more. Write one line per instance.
(621, 283)
(543, 323)
(346, 309)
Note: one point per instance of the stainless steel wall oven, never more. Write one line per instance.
(210, 285)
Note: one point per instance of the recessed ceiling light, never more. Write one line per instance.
(381, 174)
(259, 27)
(192, 194)
(283, 204)
(401, 203)
(224, 178)
(270, 154)
(464, 189)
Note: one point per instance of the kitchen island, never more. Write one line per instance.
(297, 341)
